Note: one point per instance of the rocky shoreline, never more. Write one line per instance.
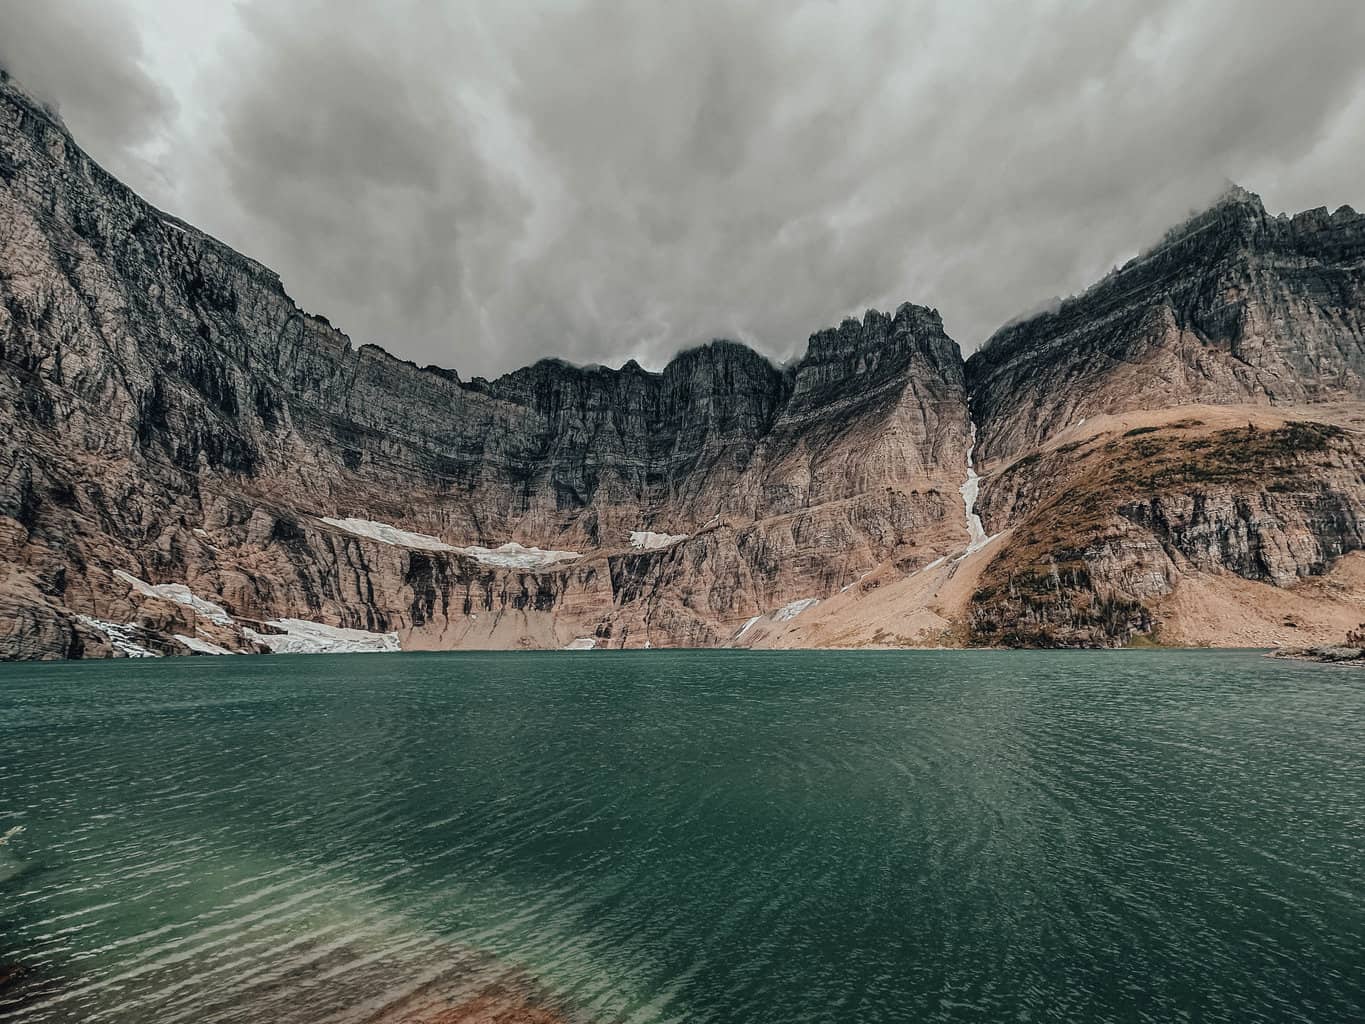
(1330, 654)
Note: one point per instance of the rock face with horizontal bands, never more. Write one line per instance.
(173, 414)
(1234, 312)
(1234, 306)
(1105, 530)
(173, 417)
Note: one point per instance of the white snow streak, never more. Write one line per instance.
(747, 626)
(201, 646)
(849, 586)
(648, 540)
(509, 556)
(784, 614)
(388, 534)
(303, 637)
(795, 608)
(121, 636)
(976, 533)
(180, 594)
(513, 556)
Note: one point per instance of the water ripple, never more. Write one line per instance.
(684, 836)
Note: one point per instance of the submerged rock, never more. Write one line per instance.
(496, 1004)
(1335, 653)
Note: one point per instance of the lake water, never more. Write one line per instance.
(684, 836)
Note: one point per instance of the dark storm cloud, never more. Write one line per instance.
(354, 165)
(84, 55)
(479, 185)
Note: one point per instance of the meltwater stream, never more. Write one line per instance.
(717, 836)
(970, 489)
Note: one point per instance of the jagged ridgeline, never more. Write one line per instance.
(198, 466)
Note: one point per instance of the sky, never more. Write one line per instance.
(480, 185)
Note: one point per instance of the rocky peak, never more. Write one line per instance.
(875, 352)
(1233, 201)
(725, 382)
(173, 415)
(1231, 306)
(725, 356)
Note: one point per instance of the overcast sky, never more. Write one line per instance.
(481, 184)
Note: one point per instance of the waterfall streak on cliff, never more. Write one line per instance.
(977, 538)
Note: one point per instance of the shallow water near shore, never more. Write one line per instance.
(684, 836)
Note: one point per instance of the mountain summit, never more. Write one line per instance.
(198, 466)
(1232, 306)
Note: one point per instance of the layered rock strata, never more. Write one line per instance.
(197, 466)
(1234, 306)
(175, 416)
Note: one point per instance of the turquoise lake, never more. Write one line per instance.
(685, 836)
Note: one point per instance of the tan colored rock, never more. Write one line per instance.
(172, 415)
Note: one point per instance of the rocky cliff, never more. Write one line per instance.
(174, 416)
(1112, 532)
(195, 465)
(1234, 306)
(1190, 424)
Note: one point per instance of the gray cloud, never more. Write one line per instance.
(479, 185)
(82, 58)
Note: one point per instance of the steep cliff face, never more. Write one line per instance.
(175, 416)
(875, 403)
(1194, 416)
(1108, 529)
(1234, 306)
(195, 464)
(611, 451)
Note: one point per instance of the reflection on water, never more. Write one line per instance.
(719, 836)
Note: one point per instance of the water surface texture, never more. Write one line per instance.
(685, 836)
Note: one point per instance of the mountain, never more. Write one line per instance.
(197, 465)
(1190, 423)
(175, 417)
(1175, 456)
(1234, 306)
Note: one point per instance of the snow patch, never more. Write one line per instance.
(582, 643)
(387, 534)
(648, 540)
(201, 646)
(747, 626)
(180, 594)
(303, 637)
(784, 614)
(790, 611)
(513, 556)
(121, 636)
(509, 556)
